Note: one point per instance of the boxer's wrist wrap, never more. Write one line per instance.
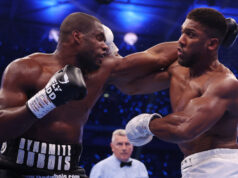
(40, 104)
(112, 48)
(152, 117)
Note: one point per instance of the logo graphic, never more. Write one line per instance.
(4, 147)
(65, 80)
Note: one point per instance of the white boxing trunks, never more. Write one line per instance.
(216, 163)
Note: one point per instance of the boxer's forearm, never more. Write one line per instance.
(167, 53)
(146, 85)
(170, 129)
(138, 66)
(14, 122)
(200, 115)
(161, 55)
(178, 127)
(157, 58)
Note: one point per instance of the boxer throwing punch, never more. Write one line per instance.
(204, 99)
(45, 99)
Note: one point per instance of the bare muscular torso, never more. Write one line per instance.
(184, 88)
(65, 123)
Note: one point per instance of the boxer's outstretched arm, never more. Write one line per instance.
(199, 115)
(148, 84)
(138, 65)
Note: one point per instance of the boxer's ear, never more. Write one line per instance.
(77, 35)
(213, 44)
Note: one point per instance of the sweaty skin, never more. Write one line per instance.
(64, 125)
(203, 95)
(205, 109)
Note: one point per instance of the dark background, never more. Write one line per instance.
(25, 26)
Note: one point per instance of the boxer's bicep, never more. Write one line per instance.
(202, 113)
(10, 99)
(12, 93)
(199, 116)
(207, 110)
(13, 112)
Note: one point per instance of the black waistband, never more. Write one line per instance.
(27, 154)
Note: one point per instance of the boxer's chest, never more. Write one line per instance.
(183, 89)
(95, 83)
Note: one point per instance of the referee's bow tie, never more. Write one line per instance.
(125, 164)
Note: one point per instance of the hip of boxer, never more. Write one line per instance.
(32, 157)
(219, 163)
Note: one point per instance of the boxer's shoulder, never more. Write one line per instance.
(23, 71)
(27, 62)
(224, 84)
(33, 63)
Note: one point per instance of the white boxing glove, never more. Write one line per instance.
(138, 131)
(112, 48)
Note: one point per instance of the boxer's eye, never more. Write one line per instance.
(100, 37)
(190, 33)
